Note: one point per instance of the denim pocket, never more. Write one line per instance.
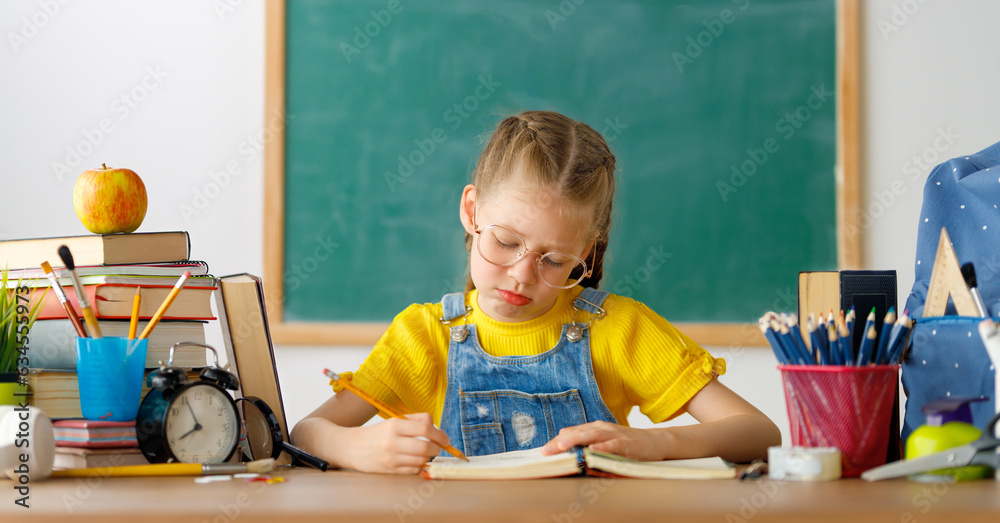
(504, 420)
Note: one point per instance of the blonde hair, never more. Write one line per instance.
(557, 153)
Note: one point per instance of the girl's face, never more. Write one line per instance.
(516, 292)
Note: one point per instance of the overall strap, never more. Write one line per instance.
(590, 300)
(453, 305)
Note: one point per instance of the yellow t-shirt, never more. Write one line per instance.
(638, 357)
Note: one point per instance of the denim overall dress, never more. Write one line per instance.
(498, 404)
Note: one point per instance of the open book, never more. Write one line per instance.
(531, 464)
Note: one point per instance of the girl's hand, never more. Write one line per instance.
(607, 437)
(395, 446)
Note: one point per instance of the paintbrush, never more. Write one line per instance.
(61, 294)
(261, 466)
(81, 297)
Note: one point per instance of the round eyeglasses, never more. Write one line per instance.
(501, 246)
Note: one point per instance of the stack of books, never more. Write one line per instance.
(84, 443)
(110, 268)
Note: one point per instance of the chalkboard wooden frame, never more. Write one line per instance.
(734, 335)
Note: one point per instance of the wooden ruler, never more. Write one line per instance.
(947, 280)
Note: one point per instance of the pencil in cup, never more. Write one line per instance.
(831, 339)
(165, 305)
(383, 408)
(133, 323)
(868, 340)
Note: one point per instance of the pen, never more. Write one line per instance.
(165, 305)
(133, 324)
(81, 297)
(61, 294)
(382, 407)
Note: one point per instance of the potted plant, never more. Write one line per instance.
(15, 316)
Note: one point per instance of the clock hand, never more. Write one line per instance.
(195, 418)
(188, 433)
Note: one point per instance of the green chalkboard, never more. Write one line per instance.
(721, 115)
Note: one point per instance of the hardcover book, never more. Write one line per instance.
(111, 301)
(98, 249)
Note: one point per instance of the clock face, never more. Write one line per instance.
(201, 425)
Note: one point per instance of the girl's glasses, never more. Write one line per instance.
(501, 246)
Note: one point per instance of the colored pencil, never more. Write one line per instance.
(772, 338)
(883, 341)
(870, 334)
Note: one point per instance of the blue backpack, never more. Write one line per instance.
(946, 356)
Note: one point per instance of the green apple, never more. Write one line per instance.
(109, 200)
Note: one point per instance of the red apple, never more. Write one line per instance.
(109, 200)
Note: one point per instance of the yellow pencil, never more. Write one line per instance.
(383, 408)
(133, 325)
(165, 305)
(170, 469)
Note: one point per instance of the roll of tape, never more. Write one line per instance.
(803, 463)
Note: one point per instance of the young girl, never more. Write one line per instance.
(532, 354)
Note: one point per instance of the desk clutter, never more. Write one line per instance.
(91, 307)
(147, 265)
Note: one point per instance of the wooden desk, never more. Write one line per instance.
(309, 495)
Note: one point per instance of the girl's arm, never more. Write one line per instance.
(729, 427)
(334, 432)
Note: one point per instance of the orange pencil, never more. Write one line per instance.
(165, 305)
(133, 325)
(382, 407)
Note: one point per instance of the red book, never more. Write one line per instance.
(113, 301)
(94, 434)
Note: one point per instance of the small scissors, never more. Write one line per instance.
(983, 451)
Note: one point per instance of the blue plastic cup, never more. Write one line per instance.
(109, 372)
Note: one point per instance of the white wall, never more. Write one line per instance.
(178, 88)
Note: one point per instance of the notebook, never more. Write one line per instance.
(531, 464)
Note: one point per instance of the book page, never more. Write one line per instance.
(714, 467)
(520, 464)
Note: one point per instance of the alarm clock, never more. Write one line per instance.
(188, 421)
